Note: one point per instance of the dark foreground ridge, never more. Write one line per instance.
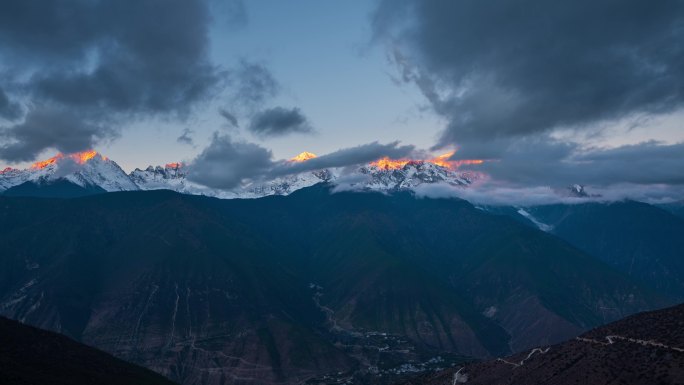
(33, 356)
(647, 348)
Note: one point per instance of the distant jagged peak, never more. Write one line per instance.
(580, 191)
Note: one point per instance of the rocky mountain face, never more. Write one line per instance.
(33, 356)
(643, 349)
(314, 286)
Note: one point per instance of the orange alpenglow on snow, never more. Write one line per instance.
(47, 162)
(441, 160)
(78, 157)
(390, 164)
(82, 157)
(174, 165)
(304, 156)
(459, 163)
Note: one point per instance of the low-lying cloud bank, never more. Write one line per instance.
(547, 161)
(489, 193)
(648, 171)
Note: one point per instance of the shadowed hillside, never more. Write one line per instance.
(33, 356)
(647, 348)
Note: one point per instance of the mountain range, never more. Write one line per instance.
(332, 276)
(89, 173)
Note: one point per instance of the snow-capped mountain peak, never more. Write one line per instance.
(409, 174)
(85, 169)
(88, 169)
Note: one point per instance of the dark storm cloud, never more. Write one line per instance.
(129, 58)
(9, 109)
(501, 69)
(230, 118)
(539, 171)
(346, 157)
(226, 163)
(279, 121)
(150, 56)
(50, 127)
(252, 87)
(62, 31)
(186, 137)
(544, 161)
(643, 163)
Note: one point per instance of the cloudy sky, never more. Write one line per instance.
(549, 93)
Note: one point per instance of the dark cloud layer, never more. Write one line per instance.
(279, 121)
(229, 117)
(67, 132)
(186, 137)
(499, 69)
(544, 161)
(148, 55)
(226, 163)
(124, 58)
(9, 110)
(346, 157)
(251, 87)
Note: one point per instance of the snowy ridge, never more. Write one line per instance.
(411, 175)
(540, 225)
(105, 173)
(97, 171)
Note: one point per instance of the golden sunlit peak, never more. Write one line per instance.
(82, 157)
(387, 163)
(47, 162)
(78, 157)
(175, 165)
(304, 156)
